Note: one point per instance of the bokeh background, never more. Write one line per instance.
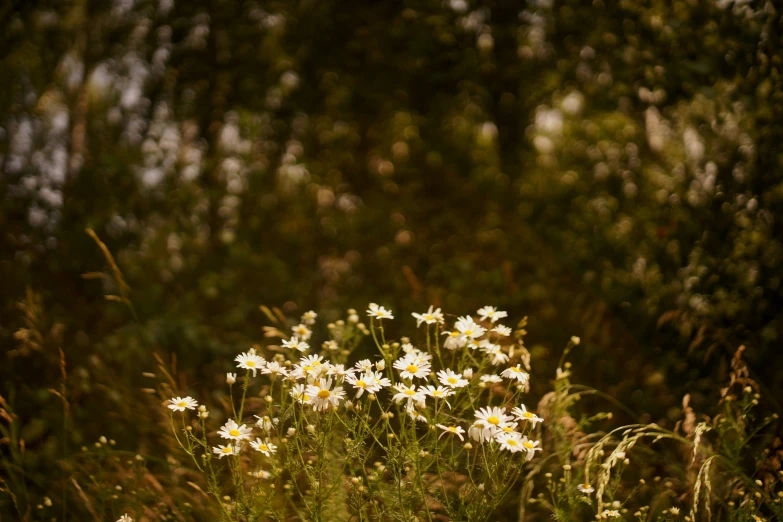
(611, 169)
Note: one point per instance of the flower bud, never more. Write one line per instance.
(231, 378)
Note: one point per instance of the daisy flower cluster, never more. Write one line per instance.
(459, 386)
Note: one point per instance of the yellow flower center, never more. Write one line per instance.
(452, 429)
(409, 392)
(182, 404)
(428, 317)
(412, 368)
(508, 429)
(493, 420)
(468, 332)
(437, 393)
(511, 442)
(528, 444)
(528, 415)
(323, 394)
(585, 486)
(451, 380)
(263, 447)
(227, 449)
(454, 334)
(516, 369)
(361, 384)
(234, 433)
(250, 363)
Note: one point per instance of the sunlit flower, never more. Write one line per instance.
(299, 394)
(295, 344)
(454, 340)
(531, 446)
(412, 366)
(453, 380)
(322, 395)
(456, 430)
(182, 404)
(274, 368)
(561, 374)
(303, 332)
(311, 365)
(511, 441)
(585, 488)
(490, 378)
(438, 393)
(250, 361)
(409, 393)
(430, 317)
(338, 370)
(379, 312)
(228, 449)
(490, 420)
(365, 365)
(309, 317)
(265, 447)
(503, 331)
(368, 381)
(231, 430)
(610, 513)
(515, 372)
(468, 328)
(265, 423)
(491, 313)
(414, 414)
(522, 414)
(125, 518)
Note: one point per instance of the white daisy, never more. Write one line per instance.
(274, 369)
(511, 441)
(250, 361)
(453, 380)
(365, 365)
(468, 328)
(368, 381)
(438, 393)
(232, 430)
(491, 313)
(503, 331)
(531, 446)
(299, 394)
(338, 370)
(182, 404)
(490, 378)
(585, 488)
(430, 317)
(303, 332)
(409, 393)
(309, 317)
(379, 312)
(310, 366)
(491, 420)
(265, 447)
(412, 366)
(223, 451)
(515, 372)
(454, 340)
(522, 414)
(296, 344)
(610, 513)
(125, 518)
(322, 395)
(456, 430)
